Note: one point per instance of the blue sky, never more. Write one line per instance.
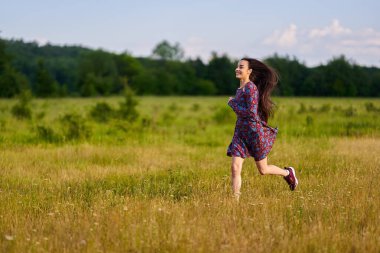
(312, 30)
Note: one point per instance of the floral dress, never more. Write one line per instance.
(252, 136)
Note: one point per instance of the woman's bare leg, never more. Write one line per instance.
(236, 167)
(265, 169)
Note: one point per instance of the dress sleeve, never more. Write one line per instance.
(251, 96)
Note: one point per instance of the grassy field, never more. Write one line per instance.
(71, 183)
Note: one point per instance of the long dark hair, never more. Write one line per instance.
(265, 78)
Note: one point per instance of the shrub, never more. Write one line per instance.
(102, 112)
(312, 108)
(47, 134)
(40, 115)
(22, 109)
(370, 107)
(146, 121)
(127, 109)
(350, 111)
(302, 108)
(325, 108)
(309, 120)
(195, 107)
(74, 127)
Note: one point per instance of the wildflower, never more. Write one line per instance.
(9, 237)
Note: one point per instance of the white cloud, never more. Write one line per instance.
(286, 38)
(334, 29)
(322, 43)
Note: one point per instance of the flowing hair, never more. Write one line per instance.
(265, 78)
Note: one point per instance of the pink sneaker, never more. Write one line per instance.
(291, 179)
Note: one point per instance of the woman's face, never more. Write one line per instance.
(242, 71)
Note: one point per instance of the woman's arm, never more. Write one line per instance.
(251, 97)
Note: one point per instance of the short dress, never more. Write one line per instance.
(252, 136)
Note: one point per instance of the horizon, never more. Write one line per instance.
(351, 61)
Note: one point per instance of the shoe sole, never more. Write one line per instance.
(294, 174)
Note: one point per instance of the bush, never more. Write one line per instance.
(40, 115)
(127, 109)
(22, 110)
(309, 120)
(302, 108)
(325, 108)
(195, 107)
(312, 108)
(146, 121)
(370, 107)
(74, 127)
(102, 112)
(350, 111)
(47, 134)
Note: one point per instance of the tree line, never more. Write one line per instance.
(58, 71)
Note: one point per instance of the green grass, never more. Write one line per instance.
(162, 183)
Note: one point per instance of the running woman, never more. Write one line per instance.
(253, 137)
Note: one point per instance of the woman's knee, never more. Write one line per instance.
(236, 169)
(263, 170)
(262, 166)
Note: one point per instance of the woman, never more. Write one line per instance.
(252, 136)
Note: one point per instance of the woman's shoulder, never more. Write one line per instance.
(250, 86)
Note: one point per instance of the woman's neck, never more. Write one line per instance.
(243, 82)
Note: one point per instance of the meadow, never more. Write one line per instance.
(76, 179)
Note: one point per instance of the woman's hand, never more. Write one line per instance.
(230, 99)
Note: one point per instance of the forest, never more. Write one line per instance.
(77, 71)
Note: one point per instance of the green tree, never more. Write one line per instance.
(220, 71)
(339, 77)
(375, 84)
(165, 51)
(199, 67)
(146, 82)
(362, 81)
(205, 87)
(82, 71)
(127, 66)
(4, 57)
(46, 85)
(98, 74)
(292, 75)
(12, 82)
(315, 83)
